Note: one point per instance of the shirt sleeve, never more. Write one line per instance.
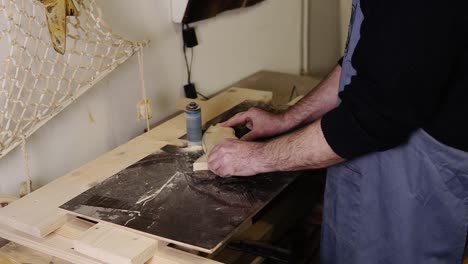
(404, 59)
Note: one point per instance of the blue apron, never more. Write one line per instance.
(407, 205)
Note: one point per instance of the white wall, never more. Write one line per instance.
(345, 17)
(328, 29)
(232, 46)
(324, 30)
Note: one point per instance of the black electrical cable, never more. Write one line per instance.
(187, 65)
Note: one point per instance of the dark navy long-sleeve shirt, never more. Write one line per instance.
(412, 72)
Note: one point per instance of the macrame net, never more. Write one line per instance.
(36, 82)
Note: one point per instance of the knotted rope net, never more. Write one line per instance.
(36, 82)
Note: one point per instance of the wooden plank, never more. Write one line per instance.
(37, 213)
(74, 228)
(60, 245)
(212, 137)
(115, 245)
(14, 254)
(54, 245)
(281, 84)
(168, 255)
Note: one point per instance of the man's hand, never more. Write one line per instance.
(260, 123)
(237, 158)
(304, 149)
(299, 150)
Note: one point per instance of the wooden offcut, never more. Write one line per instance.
(115, 245)
(212, 137)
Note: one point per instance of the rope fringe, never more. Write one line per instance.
(144, 107)
(27, 168)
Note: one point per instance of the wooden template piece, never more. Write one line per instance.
(212, 137)
(115, 245)
(37, 214)
(169, 202)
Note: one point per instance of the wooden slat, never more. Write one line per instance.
(168, 255)
(115, 245)
(54, 245)
(60, 245)
(15, 254)
(37, 213)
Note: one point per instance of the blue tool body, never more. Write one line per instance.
(194, 128)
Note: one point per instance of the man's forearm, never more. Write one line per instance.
(317, 102)
(303, 149)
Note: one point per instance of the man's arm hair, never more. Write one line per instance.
(303, 149)
(317, 102)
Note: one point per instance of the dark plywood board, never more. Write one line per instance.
(160, 196)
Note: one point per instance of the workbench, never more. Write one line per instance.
(36, 222)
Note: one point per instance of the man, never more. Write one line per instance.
(397, 143)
